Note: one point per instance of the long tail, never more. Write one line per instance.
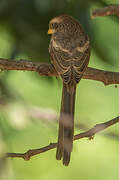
(66, 123)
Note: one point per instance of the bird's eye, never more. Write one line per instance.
(55, 25)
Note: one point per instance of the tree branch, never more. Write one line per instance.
(106, 11)
(45, 69)
(90, 134)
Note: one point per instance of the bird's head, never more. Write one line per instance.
(64, 24)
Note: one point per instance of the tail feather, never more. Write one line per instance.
(66, 123)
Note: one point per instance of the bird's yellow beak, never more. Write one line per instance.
(50, 31)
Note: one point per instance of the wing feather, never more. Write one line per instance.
(70, 65)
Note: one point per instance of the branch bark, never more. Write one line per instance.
(106, 11)
(45, 69)
(87, 134)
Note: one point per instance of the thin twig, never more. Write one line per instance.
(90, 134)
(106, 11)
(45, 69)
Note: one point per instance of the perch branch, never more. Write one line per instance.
(106, 11)
(45, 69)
(87, 134)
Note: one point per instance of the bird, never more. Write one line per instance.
(69, 50)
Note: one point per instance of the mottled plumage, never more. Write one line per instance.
(70, 51)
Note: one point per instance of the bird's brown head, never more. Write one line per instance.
(64, 24)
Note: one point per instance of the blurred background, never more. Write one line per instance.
(30, 104)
